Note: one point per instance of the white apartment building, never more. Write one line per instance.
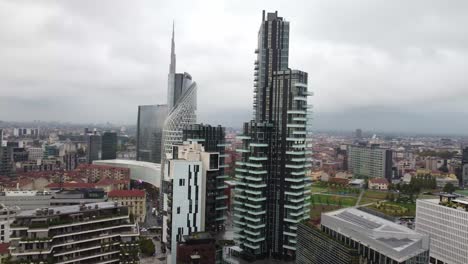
(185, 193)
(35, 153)
(447, 228)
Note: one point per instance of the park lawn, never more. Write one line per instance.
(366, 200)
(377, 195)
(333, 200)
(318, 189)
(462, 192)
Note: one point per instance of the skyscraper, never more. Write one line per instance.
(94, 147)
(182, 104)
(149, 132)
(109, 145)
(212, 138)
(272, 189)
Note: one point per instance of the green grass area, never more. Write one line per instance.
(462, 192)
(317, 199)
(396, 209)
(318, 189)
(375, 195)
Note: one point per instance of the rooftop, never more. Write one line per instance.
(126, 193)
(387, 237)
(121, 162)
(69, 209)
(378, 181)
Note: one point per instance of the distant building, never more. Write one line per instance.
(35, 153)
(91, 233)
(135, 199)
(26, 132)
(6, 161)
(358, 134)
(149, 132)
(354, 236)
(378, 184)
(370, 161)
(94, 145)
(197, 248)
(98, 172)
(446, 226)
(465, 166)
(109, 145)
(25, 200)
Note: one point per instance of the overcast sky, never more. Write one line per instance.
(390, 65)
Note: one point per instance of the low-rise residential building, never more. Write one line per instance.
(91, 233)
(378, 184)
(353, 236)
(95, 172)
(135, 199)
(7, 216)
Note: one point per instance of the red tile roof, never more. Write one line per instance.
(107, 181)
(378, 181)
(126, 193)
(4, 248)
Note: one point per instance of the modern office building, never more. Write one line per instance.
(464, 165)
(182, 105)
(91, 233)
(149, 132)
(35, 153)
(109, 145)
(185, 193)
(93, 147)
(370, 161)
(6, 161)
(353, 236)
(315, 246)
(272, 188)
(445, 220)
(212, 138)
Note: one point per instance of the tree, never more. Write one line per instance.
(147, 246)
(449, 188)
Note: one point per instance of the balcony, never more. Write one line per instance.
(297, 112)
(258, 172)
(258, 158)
(258, 145)
(250, 178)
(300, 98)
(243, 150)
(298, 84)
(241, 137)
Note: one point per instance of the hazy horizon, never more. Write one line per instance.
(376, 65)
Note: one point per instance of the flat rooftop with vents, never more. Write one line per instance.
(386, 237)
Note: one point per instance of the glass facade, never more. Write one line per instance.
(149, 132)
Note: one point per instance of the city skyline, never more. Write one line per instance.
(408, 70)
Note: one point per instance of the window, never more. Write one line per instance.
(178, 210)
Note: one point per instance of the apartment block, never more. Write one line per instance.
(91, 233)
(370, 161)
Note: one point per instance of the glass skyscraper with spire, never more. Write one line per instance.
(272, 189)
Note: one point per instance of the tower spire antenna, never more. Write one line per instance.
(172, 67)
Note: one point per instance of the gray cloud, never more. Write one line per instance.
(97, 60)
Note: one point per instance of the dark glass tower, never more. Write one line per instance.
(149, 132)
(272, 188)
(94, 147)
(213, 140)
(109, 145)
